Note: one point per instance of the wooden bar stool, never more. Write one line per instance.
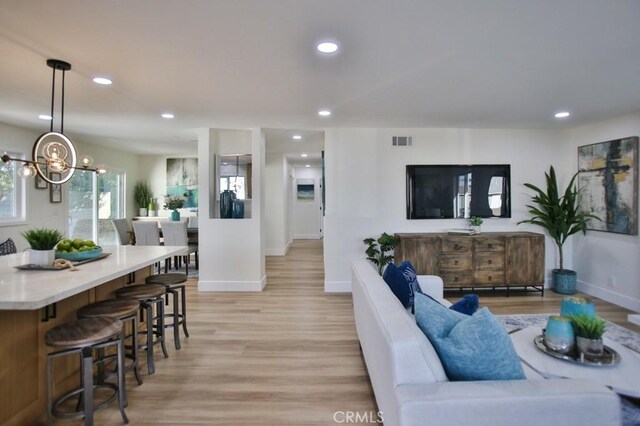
(174, 283)
(149, 295)
(82, 337)
(124, 310)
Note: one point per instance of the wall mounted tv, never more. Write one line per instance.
(458, 191)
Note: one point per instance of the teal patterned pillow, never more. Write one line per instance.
(470, 347)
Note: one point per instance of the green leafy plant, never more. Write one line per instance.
(142, 194)
(559, 215)
(475, 221)
(173, 202)
(587, 326)
(43, 238)
(377, 250)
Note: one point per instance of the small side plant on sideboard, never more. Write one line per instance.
(487, 260)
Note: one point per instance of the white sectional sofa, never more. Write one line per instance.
(411, 387)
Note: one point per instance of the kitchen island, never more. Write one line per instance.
(32, 302)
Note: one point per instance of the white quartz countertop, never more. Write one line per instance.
(30, 290)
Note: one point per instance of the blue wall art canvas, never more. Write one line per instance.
(305, 191)
(182, 179)
(608, 182)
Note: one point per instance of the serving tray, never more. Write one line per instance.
(32, 267)
(608, 359)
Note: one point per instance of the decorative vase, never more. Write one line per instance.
(559, 335)
(142, 211)
(564, 281)
(590, 346)
(226, 204)
(42, 257)
(175, 215)
(153, 208)
(237, 209)
(572, 305)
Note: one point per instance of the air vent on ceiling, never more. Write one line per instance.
(402, 141)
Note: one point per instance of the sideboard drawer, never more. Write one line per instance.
(489, 261)
(489, 244)
(456, 262)
(457, 278)
(489, 277)
(451, 245)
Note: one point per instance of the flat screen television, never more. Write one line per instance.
(458, 191)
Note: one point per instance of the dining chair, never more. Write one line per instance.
(123, 231)
(175, 234)
(148, 234)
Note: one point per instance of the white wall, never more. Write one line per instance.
(306, 213)
(365, 183)
(276, 214)
(231, 250)
(608, 264)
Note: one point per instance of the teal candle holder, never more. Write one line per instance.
(559, 335)
(575, 305)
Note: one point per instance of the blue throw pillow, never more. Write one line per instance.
(470, 347)
(467, 305)
(403, 282)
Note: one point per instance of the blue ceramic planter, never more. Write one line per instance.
(564, 281)
(572, 305)
(559, 335)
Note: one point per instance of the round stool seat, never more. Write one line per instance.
(172, 278)
(141, 291)
(116, 308)
(82, 332)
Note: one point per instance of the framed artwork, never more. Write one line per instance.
(608, 182)
(39, 182)
(55, 190)
(305, 189)
(182, 179)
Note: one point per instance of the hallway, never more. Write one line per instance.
(287, 355)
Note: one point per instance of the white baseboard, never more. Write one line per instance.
(282, 251)
(306, 236)
(256, 286)
(337, 286)
(610, 296)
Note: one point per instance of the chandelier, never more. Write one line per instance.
(54, 157)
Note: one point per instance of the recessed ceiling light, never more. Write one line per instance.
(327, 47)
(304, 155)
(225, 164)
(167, 115)
(45, 117)
(297, 137)
(562, 114)
(324, 113)
(307, 165)
(105, 81)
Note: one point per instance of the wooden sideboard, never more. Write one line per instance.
(487, 260)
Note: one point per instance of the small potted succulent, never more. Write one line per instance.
(173, 203)
(42, 241)
(475, 222)
(588, 330)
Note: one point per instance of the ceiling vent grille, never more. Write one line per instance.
(402, 141)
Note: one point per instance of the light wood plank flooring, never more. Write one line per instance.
(288, 355)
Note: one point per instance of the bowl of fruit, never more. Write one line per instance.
(77, 250)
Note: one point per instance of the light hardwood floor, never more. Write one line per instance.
(288, 355)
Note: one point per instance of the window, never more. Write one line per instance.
(12, 193)
(234, 183)
(93, 201)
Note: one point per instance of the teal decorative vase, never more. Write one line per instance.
(573, 305)
(564, 281)
(175, 215)
(226, 204)
(559, 335)
(238, 209)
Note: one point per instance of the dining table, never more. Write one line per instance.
(34, 301)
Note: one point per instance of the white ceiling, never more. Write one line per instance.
(252, 63)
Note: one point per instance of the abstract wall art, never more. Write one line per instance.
(608, 181)
(182, 179)
(305, 189)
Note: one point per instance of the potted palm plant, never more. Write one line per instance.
(561, 217)
(377, 250)
(142, 196)
(42, 241)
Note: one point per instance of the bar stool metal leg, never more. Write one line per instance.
(183, 291)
